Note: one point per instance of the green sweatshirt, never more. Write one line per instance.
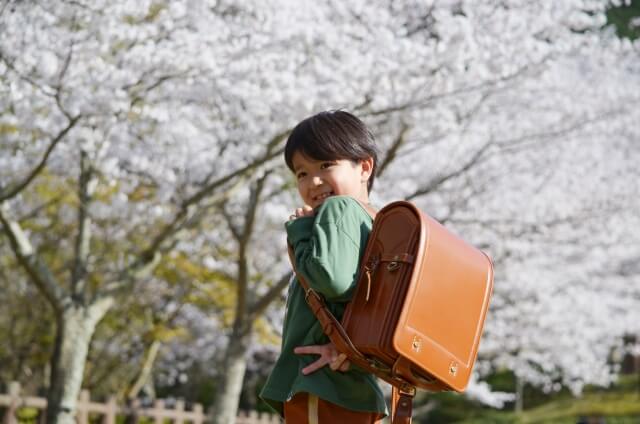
(328, 248)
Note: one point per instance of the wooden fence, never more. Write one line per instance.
(106, 413)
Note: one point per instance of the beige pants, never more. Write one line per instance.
(304, 408)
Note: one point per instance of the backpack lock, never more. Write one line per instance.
(394, 264)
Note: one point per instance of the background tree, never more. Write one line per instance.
(625, 17)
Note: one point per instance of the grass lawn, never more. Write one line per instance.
(619, 404)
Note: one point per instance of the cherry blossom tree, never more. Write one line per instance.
(96, 102)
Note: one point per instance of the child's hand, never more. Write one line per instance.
(306, 210)
(328, 356)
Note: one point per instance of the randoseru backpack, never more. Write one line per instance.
(419, 306)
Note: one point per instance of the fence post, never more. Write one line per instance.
(198, 412)
(179, 409)
(253, 416)
(14, 395)
(112, 410)
(108, 412)
(158, 409)
(83, 407)
(132, 411)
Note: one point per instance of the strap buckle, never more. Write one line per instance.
(311, 292)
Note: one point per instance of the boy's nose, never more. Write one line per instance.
(316, 180)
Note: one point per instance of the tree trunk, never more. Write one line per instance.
(519, 406)
(144, 377)
(75, 328)
(228, 392)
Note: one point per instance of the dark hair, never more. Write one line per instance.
(332, 135)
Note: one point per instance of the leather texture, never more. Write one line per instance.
(421, 300)
(401, 407)
(417, 313)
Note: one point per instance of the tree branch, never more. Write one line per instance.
(86, 188)
(526, 140)
(210, 186)
(150, 257)
(259, 307)
(250, 216)
(38, 271)
(468, 89)
(393, 150)
(232, 227)
(145, 372)
(435, 183)
(242, 318)
(141, 268)
(186, 213)
(26, 78)
(13, 191)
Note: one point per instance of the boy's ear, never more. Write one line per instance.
(367, 168)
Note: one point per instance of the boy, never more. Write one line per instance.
(333, 158)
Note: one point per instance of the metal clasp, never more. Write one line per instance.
(453, 368)
(311, 292)
(394, 264)
(416, 344)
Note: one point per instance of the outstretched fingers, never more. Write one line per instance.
(328, 356)
(314, 366)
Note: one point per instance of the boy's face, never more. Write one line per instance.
(319, 179)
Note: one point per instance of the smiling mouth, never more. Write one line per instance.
(321, 197)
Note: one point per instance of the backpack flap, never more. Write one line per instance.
(446, 303)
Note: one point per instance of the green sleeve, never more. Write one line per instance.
(327, 246)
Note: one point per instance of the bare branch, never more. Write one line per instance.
(166, 240)
(27, 257)
(505, 146)
(261, 304)
(242, 287)
(234, 229)
(86, 188)
(393, 150)
(425, 22)
(468, 89)
(525, 141)
(435, 183)
(67, 60)
(211, 186)
(145, 372)
(36, 210)
(137, 95)
(187, 215)
(250, 216)
(242, 320)
(25, 78)
(13, 191)
(141, 268)
(4, 7)
(514, 227)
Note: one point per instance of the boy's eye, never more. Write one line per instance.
(301, 175)
(326, 165)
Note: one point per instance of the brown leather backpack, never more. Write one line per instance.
(417, 313)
